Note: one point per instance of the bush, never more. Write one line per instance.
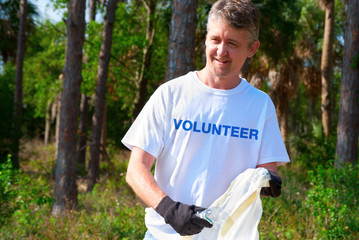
(332, 202)
(318, 201)
(110, 211)
(6, 193)
(315, 204)
(313, 149)
(20, 198)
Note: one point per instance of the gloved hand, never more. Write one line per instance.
(275, 186)
(182, 217)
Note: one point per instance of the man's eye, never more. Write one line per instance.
(232, 44)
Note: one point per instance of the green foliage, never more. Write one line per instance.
(20, 195)
(202, 12)
(278, 25)
(44, 61)
(311, 32)
(304, 111)
(43, 66)
(110, 211)
(127, 52)
(59, 4)
(332, 201)
(280, 219)
(30, 197)
(6, 109)
(355, 62)
(91, 52)
(339, 29)
(126, 59)
(6, 195)
(318, 200)
(313, 148)
(316, 203)
(9, 26)
(307, 142)
(102, 214)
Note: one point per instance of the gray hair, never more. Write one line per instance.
(239, 14)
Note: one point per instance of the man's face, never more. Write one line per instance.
(227, 49)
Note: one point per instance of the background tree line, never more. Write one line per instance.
(81, 83)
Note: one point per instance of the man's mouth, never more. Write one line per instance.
(221, 61)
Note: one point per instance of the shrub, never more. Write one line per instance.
(6, 193)
(332, 202)
(313, 149)
(20, 197)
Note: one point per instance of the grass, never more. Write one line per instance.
(110, 211)
(318, 203)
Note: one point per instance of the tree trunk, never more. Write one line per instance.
(100, 95)
(92, 10)
(348, 124)
(54, 110)
(273, 78)
(84, 109)
(18, 84)
(283, 114)
(57, 130)
(104, 128)
(284, 85)
(65, 185)
(326, 68)
(48, 122)
(257, 80)
(51, 115)
(181, 47)
(246, 68)
(81, 159)
(277, 94)
(142, 81)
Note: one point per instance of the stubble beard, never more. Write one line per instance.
(218, 70)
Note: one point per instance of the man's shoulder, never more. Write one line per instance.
(255, 91)
(177, 83)
(182, 80)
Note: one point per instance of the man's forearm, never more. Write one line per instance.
(270, 166)
(140, 178)
(274, 190)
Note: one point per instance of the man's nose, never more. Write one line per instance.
(221, 49)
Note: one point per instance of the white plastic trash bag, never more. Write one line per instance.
(236, 214)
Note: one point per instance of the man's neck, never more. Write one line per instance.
(217, 82)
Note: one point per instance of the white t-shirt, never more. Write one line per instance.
(203, 138)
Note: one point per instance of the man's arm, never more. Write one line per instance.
(275, 183)
(270, 166)
(181, 217)
(140, 178)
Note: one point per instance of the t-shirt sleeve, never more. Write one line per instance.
(272, 147)
(146, 132)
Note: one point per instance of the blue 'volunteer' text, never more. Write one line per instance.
(218, 129)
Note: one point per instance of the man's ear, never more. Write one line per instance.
(253, 48)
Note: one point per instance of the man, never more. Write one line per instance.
(204, 129)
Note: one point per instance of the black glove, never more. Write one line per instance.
(182, 217)
(275, 186)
